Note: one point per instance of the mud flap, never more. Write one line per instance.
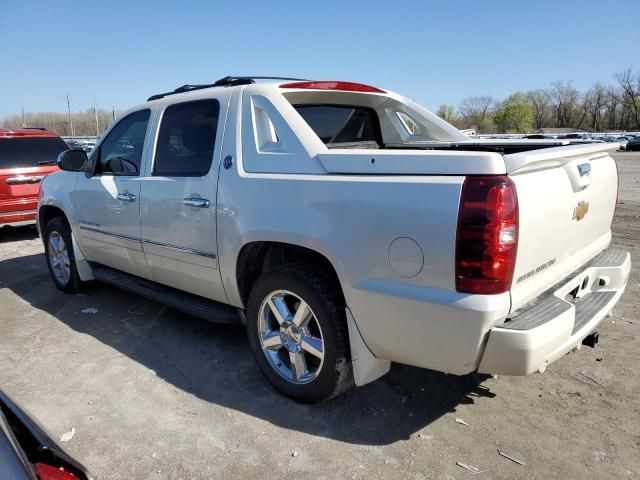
(84, 270)
(366, 367)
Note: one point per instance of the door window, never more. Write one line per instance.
(186, 139)
(121, 152)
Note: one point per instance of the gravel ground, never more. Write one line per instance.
(154, 394)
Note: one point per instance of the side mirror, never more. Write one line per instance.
(72, 160)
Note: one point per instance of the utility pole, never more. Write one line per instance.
(73, 133)
(24, 123)
(95, 111)
(113, 112)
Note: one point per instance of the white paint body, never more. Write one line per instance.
(401, 295)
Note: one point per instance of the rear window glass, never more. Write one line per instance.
(187, 138)
(29, 152)
(336, 124)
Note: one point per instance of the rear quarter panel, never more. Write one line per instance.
(352, 220)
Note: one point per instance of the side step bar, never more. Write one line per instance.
(185, 302)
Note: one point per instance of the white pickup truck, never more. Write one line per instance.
(346, 226)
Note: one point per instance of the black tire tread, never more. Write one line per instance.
(61, 225)
(332, 300)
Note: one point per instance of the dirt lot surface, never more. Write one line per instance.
(154, 394)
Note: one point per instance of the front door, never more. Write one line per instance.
(178, 198)
(108, 202)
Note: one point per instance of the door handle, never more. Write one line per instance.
(196, 202)
(22, 179)
(126, 197)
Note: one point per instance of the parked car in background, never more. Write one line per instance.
(74, 144)
(608, 139)
(88, 146)
(28, 453)
(576, 136)
(633, 144)
(623, 142)
(26, 156)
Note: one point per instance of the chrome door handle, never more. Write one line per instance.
(196, 202)
(22, 179)
(126, 197)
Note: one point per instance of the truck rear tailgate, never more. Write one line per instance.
(566, 203)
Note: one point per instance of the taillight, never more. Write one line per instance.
(487, 238)
(47, 472)
(344, 86)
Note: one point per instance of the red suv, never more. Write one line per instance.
(26, 156)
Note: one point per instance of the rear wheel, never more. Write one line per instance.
(59, 254)
(297, 330)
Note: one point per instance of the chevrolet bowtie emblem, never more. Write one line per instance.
(580, 211)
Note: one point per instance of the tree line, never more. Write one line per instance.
(602, 107)
(89, 122)
(613, 106)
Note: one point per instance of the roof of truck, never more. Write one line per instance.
(230, 81)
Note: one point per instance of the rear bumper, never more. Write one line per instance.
(17, 218)
(18, 211)
(551, 326)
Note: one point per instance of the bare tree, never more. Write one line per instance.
(540, 101)
(630, 89)
(448, 113)
(594, 103)
(477, 112)
(565, 99)
(612, 108)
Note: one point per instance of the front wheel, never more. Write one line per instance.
(298, 333)
(58, 250)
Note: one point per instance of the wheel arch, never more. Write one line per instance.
(258, 257)
(48, 212)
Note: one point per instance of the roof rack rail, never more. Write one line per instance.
(223, 82)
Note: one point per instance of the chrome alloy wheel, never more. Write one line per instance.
(59, 258)
(291, 337)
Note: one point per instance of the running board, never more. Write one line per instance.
(171, 297)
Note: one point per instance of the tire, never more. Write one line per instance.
(306, 356)
(58, 251)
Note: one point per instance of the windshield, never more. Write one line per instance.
(29, 152)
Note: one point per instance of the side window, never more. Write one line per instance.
(186, 139)
(121, 152)
(409, 124)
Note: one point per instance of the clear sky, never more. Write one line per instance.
(120, 52)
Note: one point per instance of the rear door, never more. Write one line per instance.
(108, 202)
(178, 196)
(566, 203)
